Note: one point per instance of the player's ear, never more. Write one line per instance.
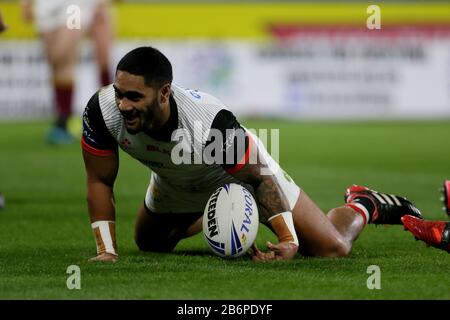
(164, 93)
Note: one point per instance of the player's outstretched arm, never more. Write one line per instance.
(101, 173)
(273, 205)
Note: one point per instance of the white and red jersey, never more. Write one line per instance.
(193, 114)
(179, 187)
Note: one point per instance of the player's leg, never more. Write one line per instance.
(323, 235)
(334, 234)
(318, 234)
(61, 48)
(160, 232)
(101, 33)
(157, 227)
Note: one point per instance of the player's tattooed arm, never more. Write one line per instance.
(269, 195)
(249, 166)
(273, 205)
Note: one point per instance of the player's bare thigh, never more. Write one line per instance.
(316, 233)
(61, 45)
(101, 32)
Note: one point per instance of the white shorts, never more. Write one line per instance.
(52, 14)
(161, 197)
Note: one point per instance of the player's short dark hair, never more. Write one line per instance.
(149, 63)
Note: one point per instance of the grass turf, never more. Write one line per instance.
(44, 227)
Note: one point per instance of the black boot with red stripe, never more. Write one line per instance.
(379, 208)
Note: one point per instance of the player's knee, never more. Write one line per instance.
(153, 245)
(339, 248)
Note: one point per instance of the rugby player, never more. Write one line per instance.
(142, 112)
(433, 233)
(61, 45)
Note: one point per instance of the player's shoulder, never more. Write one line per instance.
(101, 94)
(92, 115)
(196, 106)
(93, 110)
(93, 104)
(96, 136)
(102, 103)
(106, 96)
(191, 97)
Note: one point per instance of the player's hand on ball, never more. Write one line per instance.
(105, 257)
(280, 251)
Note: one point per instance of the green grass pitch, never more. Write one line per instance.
(44, 227)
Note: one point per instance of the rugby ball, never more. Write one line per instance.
(230, 221)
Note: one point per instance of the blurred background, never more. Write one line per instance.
(289, 59)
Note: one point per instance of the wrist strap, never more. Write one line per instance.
(105, 236)
(283, 225)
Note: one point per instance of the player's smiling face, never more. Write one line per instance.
(141, 105)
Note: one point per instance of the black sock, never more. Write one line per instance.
(367, 203)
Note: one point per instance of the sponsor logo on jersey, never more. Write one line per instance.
(126, 143)
(151, 164)
(194, 93)
(157, 149)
